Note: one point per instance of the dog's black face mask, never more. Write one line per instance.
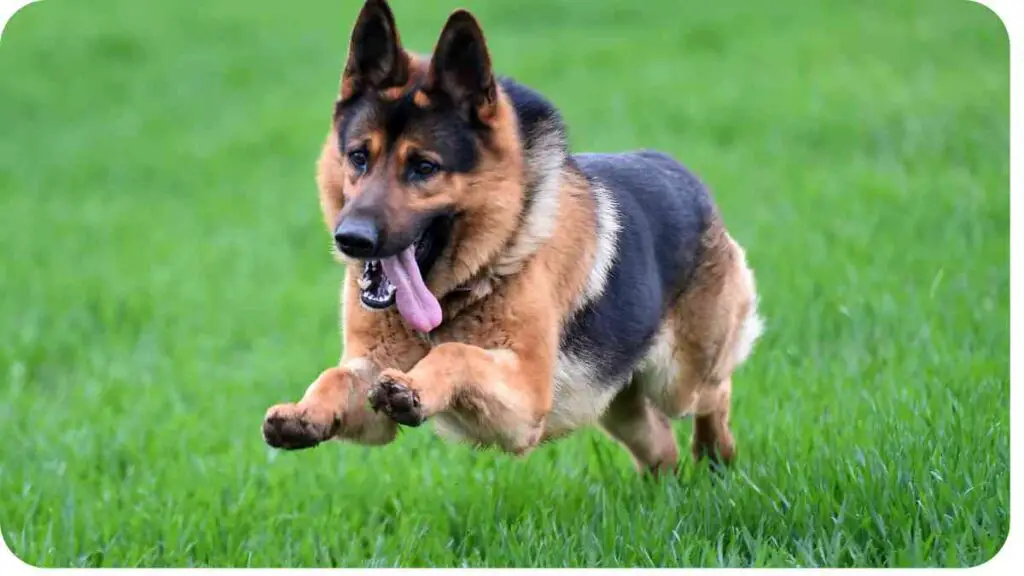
(409, 138)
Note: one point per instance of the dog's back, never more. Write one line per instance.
(662, 211)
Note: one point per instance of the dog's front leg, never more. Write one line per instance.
(506, 394)
(334, 405)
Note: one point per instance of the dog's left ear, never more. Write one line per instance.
(461, 66)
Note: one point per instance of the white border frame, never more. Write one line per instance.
(1009, 12)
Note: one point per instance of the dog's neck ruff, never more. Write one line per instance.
(544, 158)
(606, 250)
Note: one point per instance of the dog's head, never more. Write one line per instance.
(423, 159)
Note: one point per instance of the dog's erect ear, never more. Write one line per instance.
(461, 66)
(376, 59)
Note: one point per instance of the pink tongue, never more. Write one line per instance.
(415, 302)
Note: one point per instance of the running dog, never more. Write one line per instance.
(504, 288)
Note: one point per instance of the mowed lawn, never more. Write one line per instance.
(166, 277)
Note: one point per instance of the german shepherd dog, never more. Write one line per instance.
(503, 288)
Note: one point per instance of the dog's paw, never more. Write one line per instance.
(293, 427)
(395, 398)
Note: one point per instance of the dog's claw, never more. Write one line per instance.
(398, 401)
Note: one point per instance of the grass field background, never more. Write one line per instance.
(165, 278)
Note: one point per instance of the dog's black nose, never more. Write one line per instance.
(357, 237)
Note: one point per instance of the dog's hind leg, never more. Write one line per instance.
(685, 390)
(643, 430)
(334, 405)
(711, 436)
(709, 332)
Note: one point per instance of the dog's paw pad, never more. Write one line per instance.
(398, 401)
(290, 428)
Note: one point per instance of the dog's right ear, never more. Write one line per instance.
(376, 59)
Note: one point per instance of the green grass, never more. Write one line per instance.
(165, 277)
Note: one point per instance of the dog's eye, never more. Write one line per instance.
(424, 169)
(358, 159)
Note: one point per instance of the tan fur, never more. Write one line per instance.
(393, 93)
(508, 281)
(704, 338)
(643, 430)
(421, 99)
(507, 373)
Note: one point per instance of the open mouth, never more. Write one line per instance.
(401, 278)
(377, 290)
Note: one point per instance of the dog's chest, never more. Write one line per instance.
(581, 394)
